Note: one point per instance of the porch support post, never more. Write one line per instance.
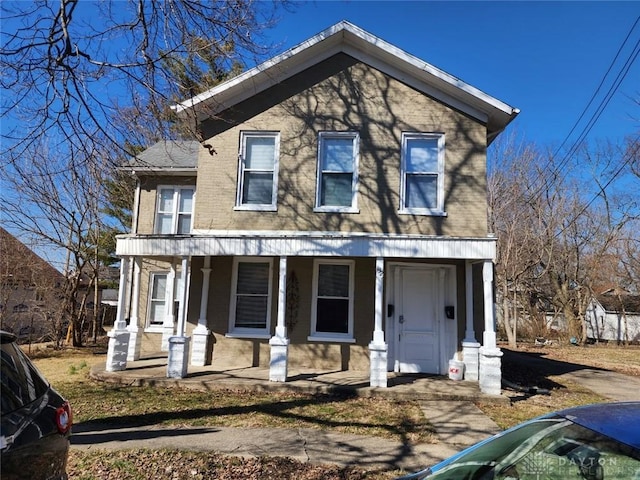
(169, 316)
(119, 335)
(201, 334)
(378, 349)
(135, 338)
(490, 372)
(179, 344)
(470, 346)
(278, 364)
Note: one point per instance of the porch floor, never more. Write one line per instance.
(152, 371)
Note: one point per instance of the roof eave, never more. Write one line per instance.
(346, 37)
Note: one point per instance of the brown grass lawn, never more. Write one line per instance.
(399, 420)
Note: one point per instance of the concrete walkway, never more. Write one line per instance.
(446, 404)
(457, 423)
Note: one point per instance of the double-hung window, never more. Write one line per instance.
(337, 172)
(251, 298)
(258, 171)
(422, 181)
(157, 308)
(175, 209)
(332, 315)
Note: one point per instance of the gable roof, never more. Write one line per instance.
(345, 37)
(612, 302)
(21, 264)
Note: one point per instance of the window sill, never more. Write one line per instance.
(330, 339)
(336, 210)
(248, 335)
(422, 211)
(153, 330)
(256, 208)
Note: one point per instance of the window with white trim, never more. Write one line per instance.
(258, 171)
(337, 181)
(251, 297)
(332, 315)
(157, 308)
(422, 181)
(175, 209)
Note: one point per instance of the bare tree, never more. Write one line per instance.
(70, 68)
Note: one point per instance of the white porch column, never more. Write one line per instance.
(135, 338)
(179, 344)
(119, 335)
(169, 322)
(378, 349)
(470, 346)
(201, 334)
(490, 372)
(278, 364)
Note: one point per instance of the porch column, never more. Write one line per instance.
(135, 338)
(490, 372)
(378, 349)
(201, 334)
(169, 316)
(470, 346)
(179, 344)
(119, 335)
(278, 364)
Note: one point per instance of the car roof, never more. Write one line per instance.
(618, 420)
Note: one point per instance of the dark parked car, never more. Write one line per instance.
(36, 420)
(593, 442)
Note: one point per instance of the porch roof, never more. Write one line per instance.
(312, 244)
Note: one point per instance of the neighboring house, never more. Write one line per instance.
(30, 290)
(614, 317)
(333, 217)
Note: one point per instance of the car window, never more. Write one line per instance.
(21, 381)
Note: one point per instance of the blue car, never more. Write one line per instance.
(592, 442)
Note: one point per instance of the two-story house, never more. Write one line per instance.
(333, 216)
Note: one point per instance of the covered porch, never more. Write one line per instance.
(482, 361)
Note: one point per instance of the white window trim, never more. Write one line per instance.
(327, 336)
(148, 326)
(353, 208)
(273, 206)
(176, 205)
(439, 210)
(241, 332)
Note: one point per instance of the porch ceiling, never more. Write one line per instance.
(306, 244)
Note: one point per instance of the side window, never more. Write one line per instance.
(422, 182)
(157, 300)
(332, 315)
(175, 209)
(258, 171)
(251, 298)
(337, 181)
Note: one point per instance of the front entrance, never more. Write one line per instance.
(417, 322)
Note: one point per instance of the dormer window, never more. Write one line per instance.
(175, 210)
(258, 171)
(422, 182)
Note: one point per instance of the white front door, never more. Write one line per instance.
(417, 321)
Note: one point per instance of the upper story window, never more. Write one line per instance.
(175, 210)
(251, 298)
(258, 171)
(332, 315)
(337, 172)
(422, 182)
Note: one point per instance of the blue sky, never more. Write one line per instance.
(545, 58)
